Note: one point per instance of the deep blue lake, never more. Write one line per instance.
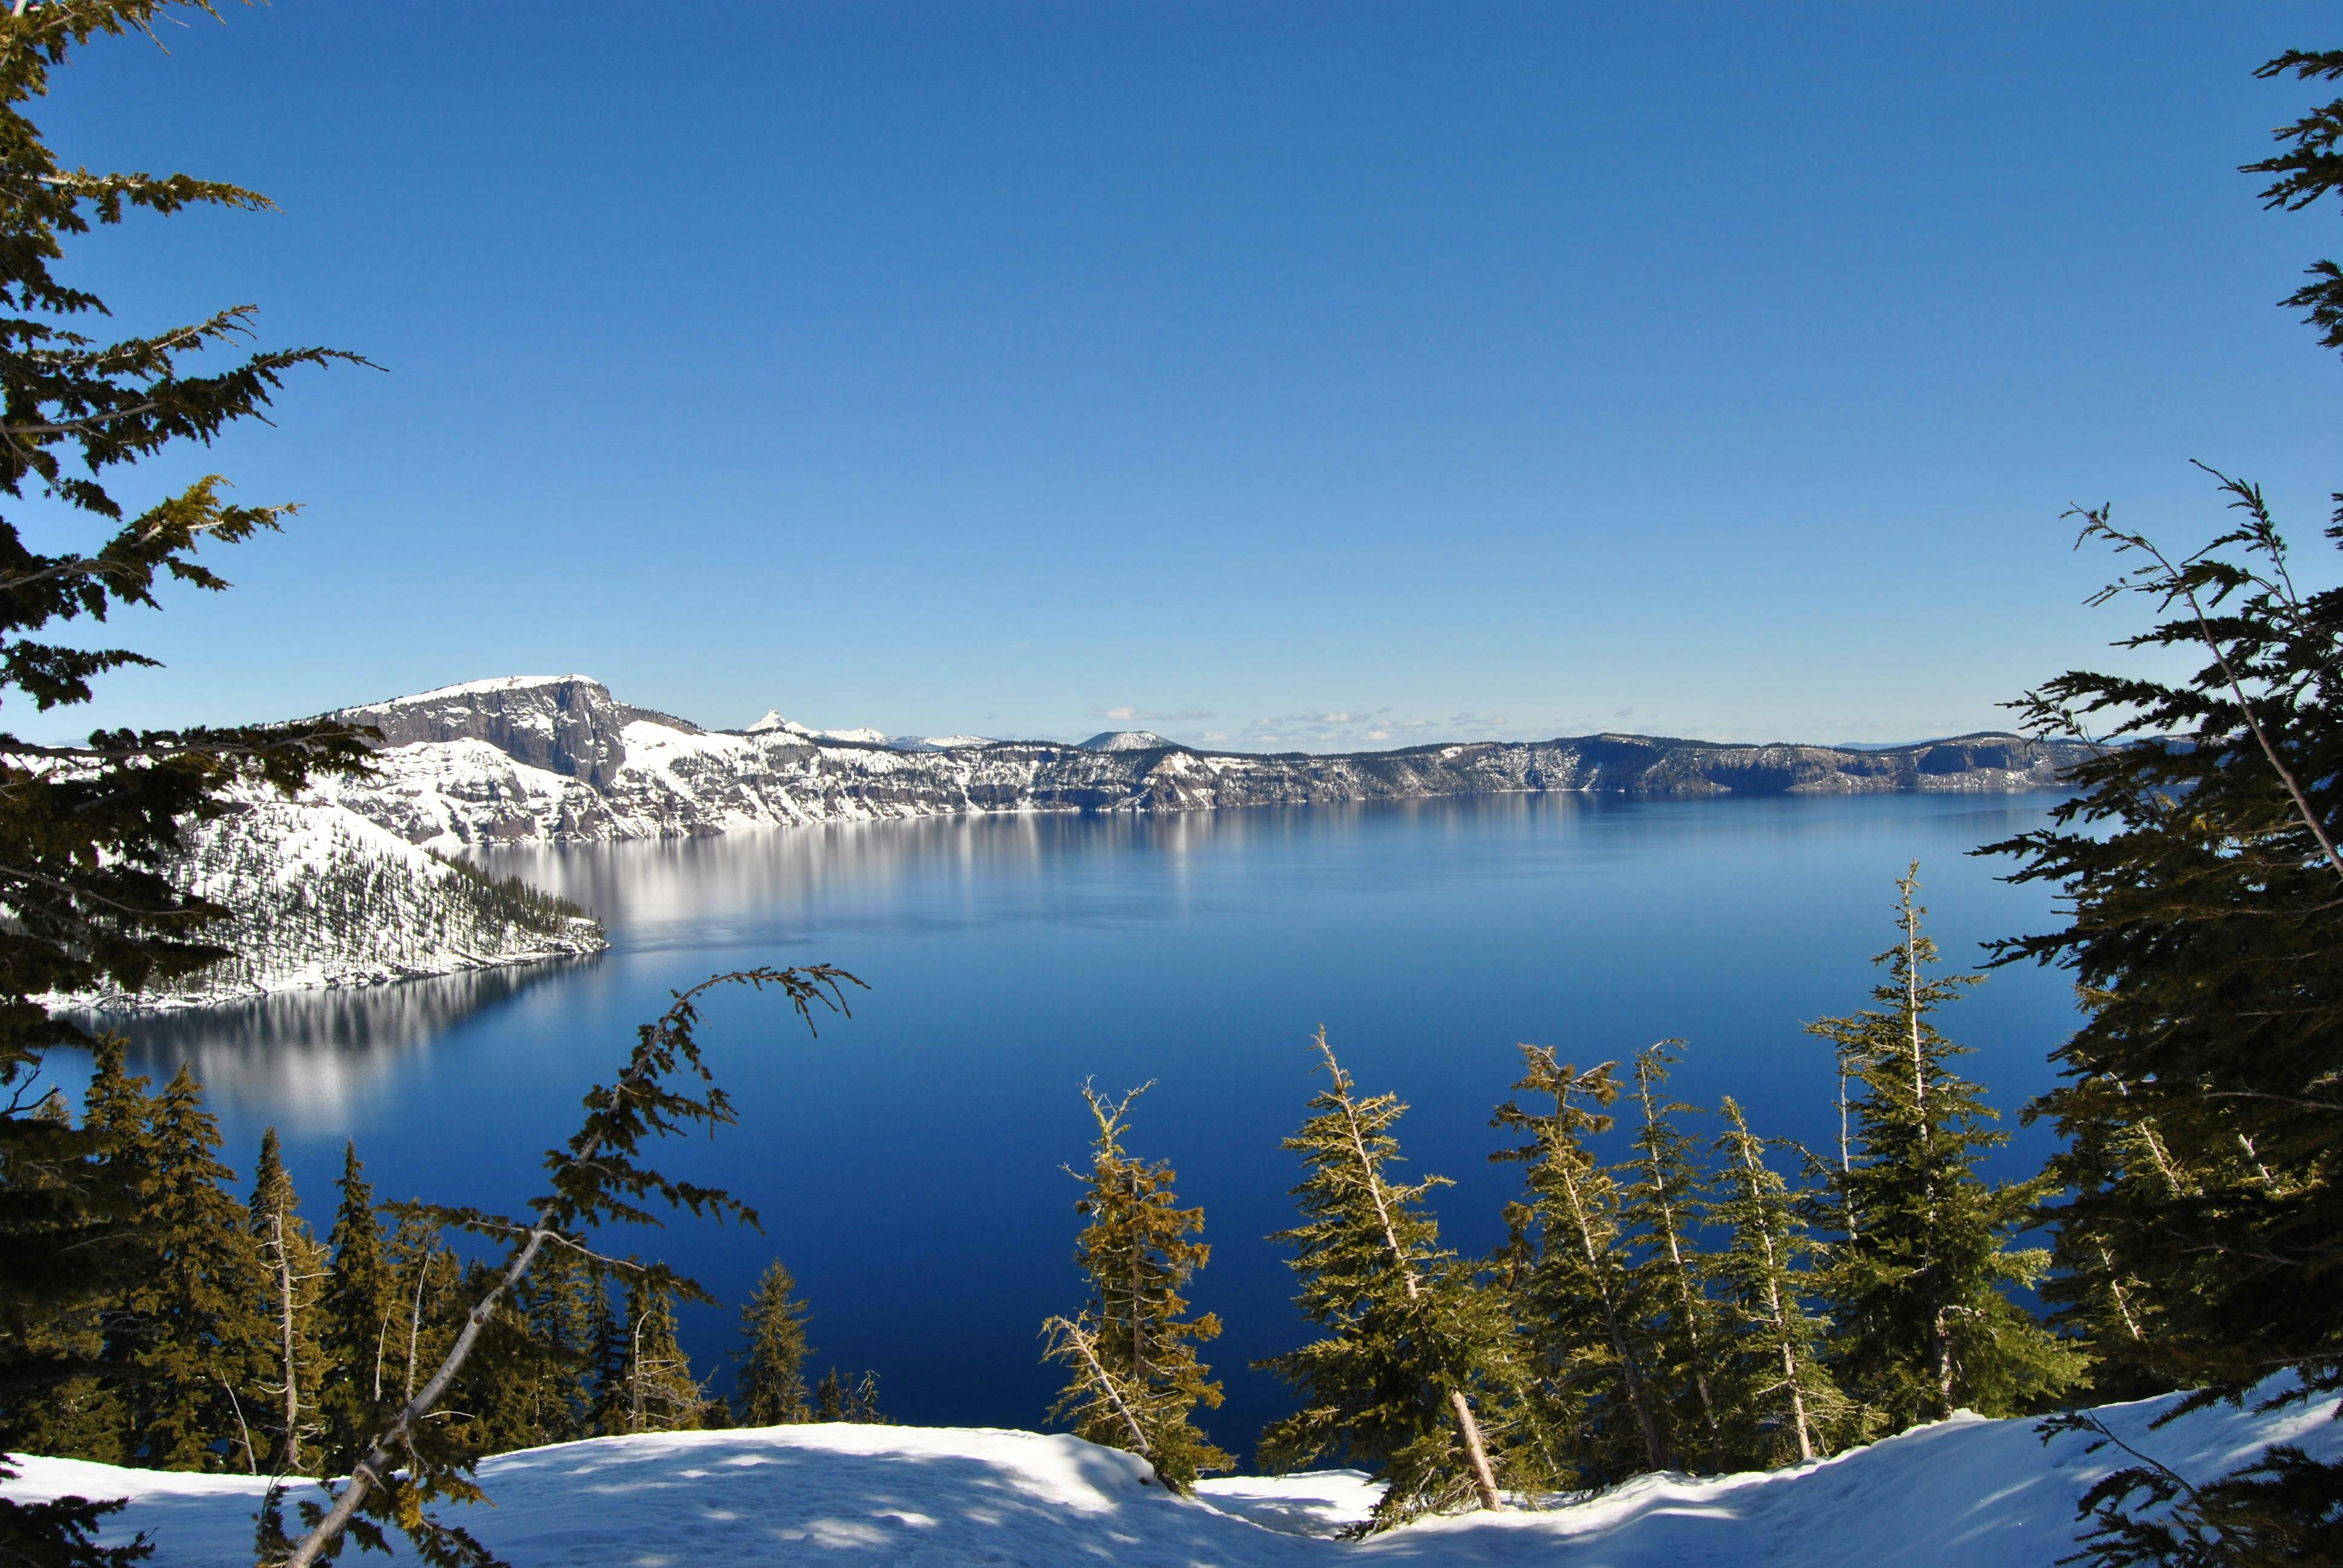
(906, 1162)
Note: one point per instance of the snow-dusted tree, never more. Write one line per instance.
(1133, 1380)
(771, 1391)
(294, 1267)
(1576, 1308)
(1416, 1356)
(1919, 1285)
(1660, 1207)
(1780, 1402)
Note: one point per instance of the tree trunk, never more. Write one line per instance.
(1468, 1427)
(1629, 1372)
(289, 1458)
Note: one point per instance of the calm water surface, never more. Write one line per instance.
(906, 1162)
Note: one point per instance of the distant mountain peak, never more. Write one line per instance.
(1125, 740)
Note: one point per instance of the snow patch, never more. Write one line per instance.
(1961, 1493)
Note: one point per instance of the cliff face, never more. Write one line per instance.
(561, 760)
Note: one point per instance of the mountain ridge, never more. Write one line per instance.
(549, 759)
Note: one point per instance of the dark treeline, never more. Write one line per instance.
(239, 1338)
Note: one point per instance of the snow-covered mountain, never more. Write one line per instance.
(1961, 1493)
(321, 897)
(557, 758)
(1125, 740)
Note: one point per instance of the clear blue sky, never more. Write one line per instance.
(1451, 370)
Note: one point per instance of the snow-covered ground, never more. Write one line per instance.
(1968, 1492)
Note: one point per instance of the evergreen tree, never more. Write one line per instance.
(354, 1312)
(772, 1386)
(202, 1347)
(661, 1393)
(608, 1344)
(835, 1399)
(1666, 1188)
(84, 829)
(425, 1275)
(1576, 1308)
(560, 1316)
(1919, 1292)
(1780, 1402)
(78, 1412)
(294, 1267)
(1134, 1380)
(1416, 1358)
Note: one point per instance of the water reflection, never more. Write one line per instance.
(309, 1058)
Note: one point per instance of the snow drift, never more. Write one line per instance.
(1967, 1492)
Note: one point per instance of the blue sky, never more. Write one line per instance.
(1299, 374)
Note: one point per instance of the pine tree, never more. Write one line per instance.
(830, 1398)
(202, 1348)
(1659, 1207)
(425, 1273)
(661, 1393)
(772, 1386)
(1575, 1305)
(561, 1320)
(85, 829)
(70, 1400)
(1134, 1382)
(356, 1311)
(1780, 1403)
(1416, 1357)
(294, 1267)
(835, 1399)
(1920, 1289)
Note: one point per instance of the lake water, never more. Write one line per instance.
(906, 1162)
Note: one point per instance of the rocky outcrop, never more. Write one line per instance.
(559, 759)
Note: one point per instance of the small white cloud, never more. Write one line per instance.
(1124, 712)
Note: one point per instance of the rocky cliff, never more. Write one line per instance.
(559, 759)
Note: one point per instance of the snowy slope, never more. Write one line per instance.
(321, 897)
(1967, 1492)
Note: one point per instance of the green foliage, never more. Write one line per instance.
(85, 830)
(1781, 1403)
(2201, 1107)
(2310, 169)
(355, 1309)
(772, 1387)
(598, 1179)
(1416, 1373)
(835, 1399)
(293, 1266)
(661, 1394)
(195, 1315)
(1918, 1280)
(1575, 1304)
(1668, 1292)
(1134, 1381)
